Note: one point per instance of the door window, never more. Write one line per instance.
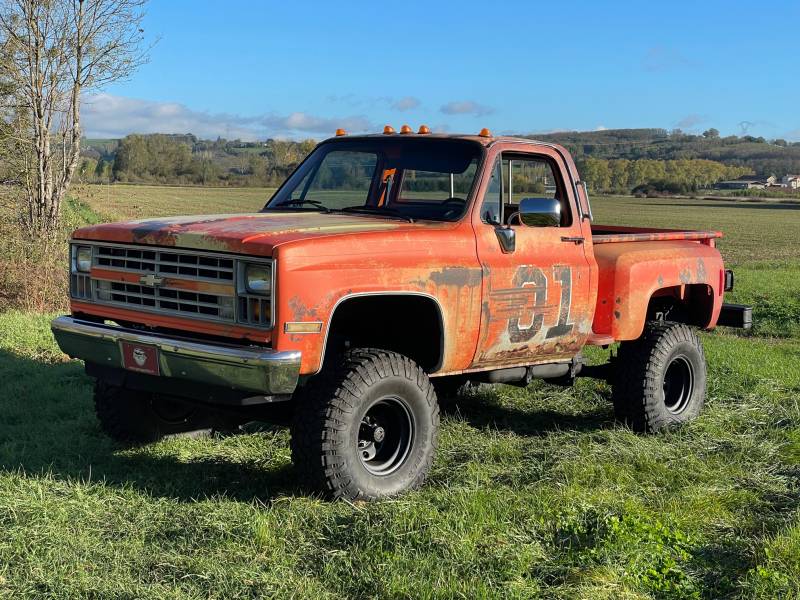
(519, 176)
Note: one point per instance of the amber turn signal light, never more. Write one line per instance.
(302, 327)
(485, 132)
(340, 132)
(388, 130)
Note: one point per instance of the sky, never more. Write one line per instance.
(261, 69)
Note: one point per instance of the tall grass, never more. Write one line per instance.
(34, 274)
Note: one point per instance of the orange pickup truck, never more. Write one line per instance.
(387, 271)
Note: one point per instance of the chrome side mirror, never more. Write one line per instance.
(540, 212)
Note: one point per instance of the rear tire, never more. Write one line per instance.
(660, 379)
(366, 427)
(138, 417)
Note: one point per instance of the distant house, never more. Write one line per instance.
(791, 181)
(748, 182)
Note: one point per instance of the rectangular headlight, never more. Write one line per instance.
(258, 279)
(83, 259)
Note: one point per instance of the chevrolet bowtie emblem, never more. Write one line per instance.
(151, 280)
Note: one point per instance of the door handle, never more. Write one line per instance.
(577, 240)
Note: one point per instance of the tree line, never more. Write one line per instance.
(183, 159)
(762, 156)
(624, 176)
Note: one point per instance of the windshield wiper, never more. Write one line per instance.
(375, 210)
(314, 203)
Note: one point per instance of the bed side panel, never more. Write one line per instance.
(630, 273)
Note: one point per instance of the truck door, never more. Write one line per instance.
(535, 294)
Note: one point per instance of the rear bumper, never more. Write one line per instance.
(248, 369)
(736, 315)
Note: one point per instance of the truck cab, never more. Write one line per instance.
(386, 272)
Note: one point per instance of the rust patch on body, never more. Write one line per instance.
(300, 312)
(457, 276)
(701, 270)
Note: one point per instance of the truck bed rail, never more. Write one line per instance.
(611, 234)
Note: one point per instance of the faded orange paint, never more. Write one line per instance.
(631, 273)
(540, 303)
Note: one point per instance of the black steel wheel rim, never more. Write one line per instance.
(678, 384)
(385, 436)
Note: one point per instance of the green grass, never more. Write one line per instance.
(534, 493)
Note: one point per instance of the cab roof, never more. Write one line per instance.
(481, 139)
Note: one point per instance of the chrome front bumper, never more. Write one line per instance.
(249, 369)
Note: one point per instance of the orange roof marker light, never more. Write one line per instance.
(485, 132)
(424, 129)
(340, 132)
(388, 130)
(405, 129)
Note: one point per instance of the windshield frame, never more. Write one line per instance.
(371, 144)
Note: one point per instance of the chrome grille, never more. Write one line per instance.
(166, 299)
(165, 262)
(186, 283)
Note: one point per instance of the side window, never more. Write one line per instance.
(531, 177)
(491, 207)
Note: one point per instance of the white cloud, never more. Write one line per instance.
(110, 116)
(466, 107)
(376, 102)
(601, 128)
(406, 103)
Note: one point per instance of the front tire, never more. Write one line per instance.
(366, 427)
(131, 416)
(660, 378)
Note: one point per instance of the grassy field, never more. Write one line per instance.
(122, 202)
(535, 492)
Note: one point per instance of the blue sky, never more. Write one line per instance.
(300, 69)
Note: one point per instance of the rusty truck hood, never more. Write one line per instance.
(255, 233)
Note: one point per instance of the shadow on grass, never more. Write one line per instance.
(483, 412)
(47, 425)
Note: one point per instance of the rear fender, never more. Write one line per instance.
(629, 284)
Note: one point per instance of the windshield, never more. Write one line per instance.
(405, 178)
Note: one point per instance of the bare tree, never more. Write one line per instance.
(51, 53)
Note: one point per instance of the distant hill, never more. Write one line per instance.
(776, 157)
(184, 158)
